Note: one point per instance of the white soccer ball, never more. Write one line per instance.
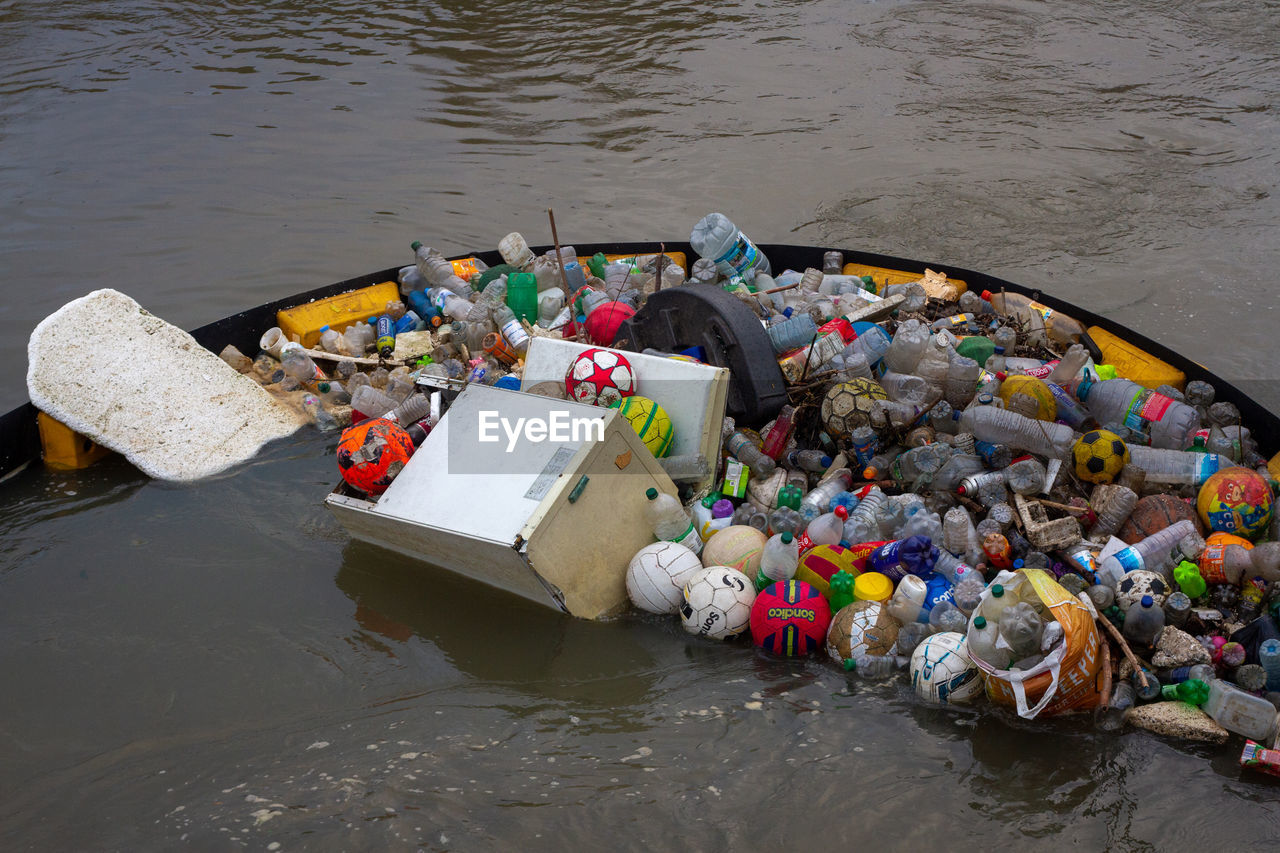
(942, 672)
(717, 602)
(600, 377)
(657, 574)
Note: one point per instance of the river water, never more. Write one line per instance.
(217, 664)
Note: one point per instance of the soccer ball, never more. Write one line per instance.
(656, 576)
(1099, 456)
(1138, 583)
(864, 627)
(738, 546)
(1236, 500)
(941, 671)
(650, 421)
(372, 453)
(790, 618)
(847, 406)
(717, 603)
(600, 377)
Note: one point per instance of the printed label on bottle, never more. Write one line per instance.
(1042, 371)
(1129, 559)
(742, 258)
(514, 333)
(690, 539)
(1145, 407)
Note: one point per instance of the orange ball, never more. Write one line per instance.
(372, 453)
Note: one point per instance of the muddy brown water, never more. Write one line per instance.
(218, 665)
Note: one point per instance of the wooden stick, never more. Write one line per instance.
(1104, 658)
(1124, 647)
(808, 357)
(657, 268)
(780, 289)
(555, 238)
(1064, 507)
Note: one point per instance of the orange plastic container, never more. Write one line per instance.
(303, 323)
(64, 448)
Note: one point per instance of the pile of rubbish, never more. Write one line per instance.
(953, 492)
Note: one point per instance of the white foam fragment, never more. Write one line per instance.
(112, 371)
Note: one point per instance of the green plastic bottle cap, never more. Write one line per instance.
(416, 245)
(787, 537)
(1106, 371)
(652, 494)
(850, 664)
(997, 590)
(979, 622)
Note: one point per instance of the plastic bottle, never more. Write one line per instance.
(968, 593)
(745, 451)
(945, 616)
(871, 667)
(809, 460)
(778, 562)
(1168, 423)
(826, 529)
(1240, 712)
(522, 296)
(1177, 607)
(873, 343)
(962, 381)
(907, 348)
(1269, 657)
(1193, 691)
(999, 426)
(982, 637)
(792, 333)
(1143, 622)
(1181, 467)
(1021, 628)
(1111, 718)
(669, 521)
(717, 238)
(299, 365)
(907, 602)
(840, 590)
(1069, 366)
(1114, 512)
(511, 330)
(775, 442)
(1059, 327)
(818, 500)
(1025, 476)
(914, 555)
(438, 271)
(862, 525)
(1113, 567)
(449, 303)
(515, 251)
(323, 420)
(958, 535)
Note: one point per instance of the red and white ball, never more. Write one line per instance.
(657, 574)
(600, 377)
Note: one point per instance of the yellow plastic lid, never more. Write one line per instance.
(872, 586)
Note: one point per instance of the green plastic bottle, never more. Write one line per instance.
(522, 296)
(1187, 576)
(840, 590)
(1193, 691)
(790, 495)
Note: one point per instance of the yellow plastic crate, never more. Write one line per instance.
(1134, 364)
(64, 448)
(676, 258)
(303, 323)
(883, 276)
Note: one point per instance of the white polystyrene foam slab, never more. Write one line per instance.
(107, 368)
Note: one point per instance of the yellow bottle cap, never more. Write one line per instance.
(872, 586)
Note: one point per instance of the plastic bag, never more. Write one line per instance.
(1068, 677)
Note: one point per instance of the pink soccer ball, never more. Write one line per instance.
(600, 377)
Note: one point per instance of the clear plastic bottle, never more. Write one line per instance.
(449, 303)
(299, 365)
(862, 525)
(331, 341)
(935, 364)
(958, 534)
(778, 562)
(1269, 657)
(745, 451)
(315, 410)
(511, 330)
(438, 271)
(1021, 628)
(1240, 712)
(908, 347)
(1059, 327)
(1182, 467)
(907, 604)
(1025, 476)
(1114, 512)
(949, 565)
(1143, 622)
(981, 639)
(793, 333)
(871, 667)
(1069, 366)
(1112, 568)
(968, 593)
(669, 522)
(716, 237)
(962, 381)
(818, 500)
(809, 460)
(826, 529)
(1168, 423)
(919, 464)
(873, 343)
(945, 616)
(998, 426)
